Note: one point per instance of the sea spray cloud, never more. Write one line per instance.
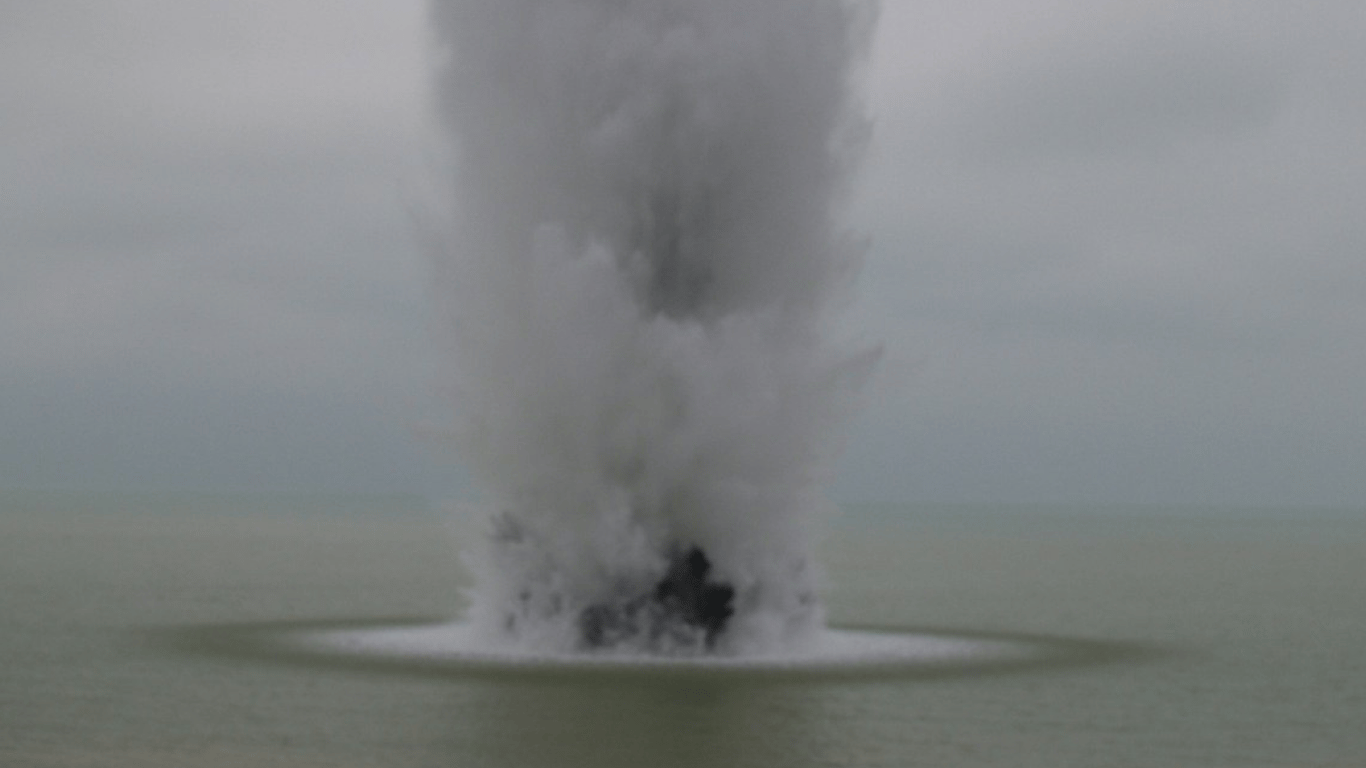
(637, 270)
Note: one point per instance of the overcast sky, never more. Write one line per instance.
(1119, 251)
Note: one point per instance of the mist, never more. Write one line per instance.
(637, 267)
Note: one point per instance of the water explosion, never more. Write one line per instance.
(637, 272)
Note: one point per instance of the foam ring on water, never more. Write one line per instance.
(439, 649)
(835, 649)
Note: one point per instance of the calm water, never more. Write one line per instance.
(1202, 638)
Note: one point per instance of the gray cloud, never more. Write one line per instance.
(203, 223)
(1150, 95)
(1118, 249)
(1117, 245)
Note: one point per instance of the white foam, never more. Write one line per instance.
(831, 648)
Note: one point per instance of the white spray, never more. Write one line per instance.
(638, 269)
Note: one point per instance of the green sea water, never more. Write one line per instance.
(1235, 637)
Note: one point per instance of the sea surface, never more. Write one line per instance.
(131, 634)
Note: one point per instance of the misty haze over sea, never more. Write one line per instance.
(682, 383)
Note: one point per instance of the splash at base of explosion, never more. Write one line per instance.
(672, 604)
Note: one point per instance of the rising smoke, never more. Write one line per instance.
(637, 272)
